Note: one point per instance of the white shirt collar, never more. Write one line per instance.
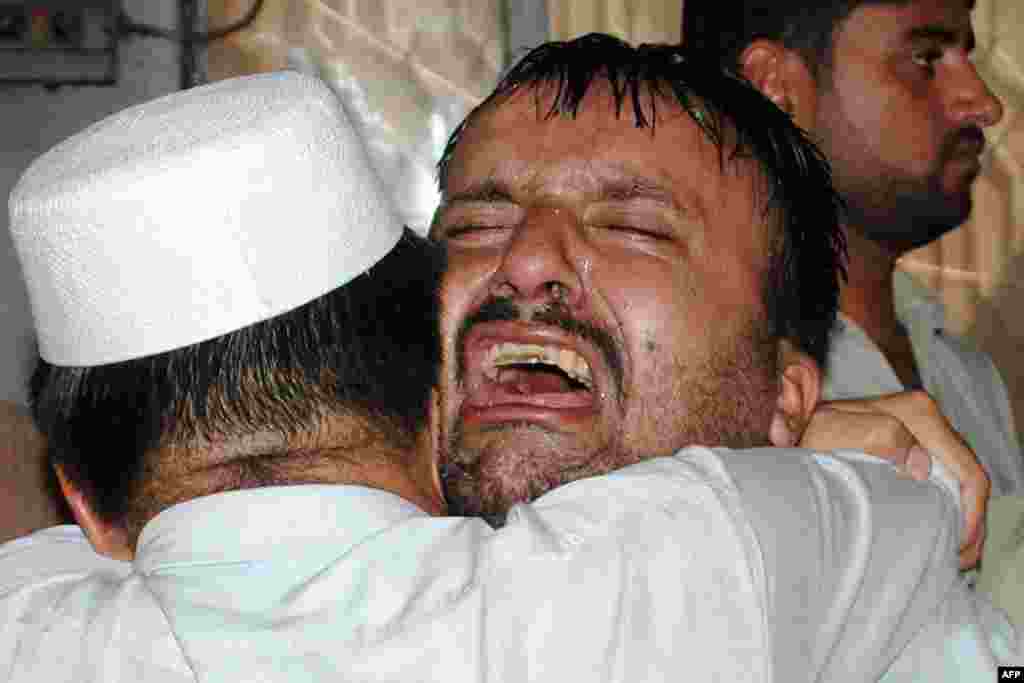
(257, 524)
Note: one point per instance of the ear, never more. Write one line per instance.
(784, 77)
(799, 393)
(107, 538)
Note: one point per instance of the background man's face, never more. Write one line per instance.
(900, 118)
(603, 300)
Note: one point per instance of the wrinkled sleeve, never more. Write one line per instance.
(650, 573)
(759, 565)
(37, 574)
(862, 576)
(65, 612)
(1002, 564)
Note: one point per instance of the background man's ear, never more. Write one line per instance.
(106, 538)
(799, 394)
(784, 78)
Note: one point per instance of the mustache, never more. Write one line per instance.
(969, 139)
(555, 314)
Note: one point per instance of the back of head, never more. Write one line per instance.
(722, 29)
(213, 268)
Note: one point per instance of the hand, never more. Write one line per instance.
(908, 430)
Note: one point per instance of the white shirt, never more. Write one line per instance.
(963, 381)
(657, 572)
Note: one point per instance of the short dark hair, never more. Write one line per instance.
(370, 347)
(722, 29)
(801, 286)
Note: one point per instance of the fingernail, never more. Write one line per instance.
(920, 462)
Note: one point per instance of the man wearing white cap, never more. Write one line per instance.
(238, 344)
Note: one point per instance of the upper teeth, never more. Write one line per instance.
(570, 362)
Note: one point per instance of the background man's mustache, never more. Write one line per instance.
(969, 140)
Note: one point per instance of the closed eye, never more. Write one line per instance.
(639, 232)
(469, 221)
(474, 234)
(634, 219)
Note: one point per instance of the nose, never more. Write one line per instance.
(538, 265)
(972, 103)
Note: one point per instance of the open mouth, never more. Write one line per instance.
(969, 144)
(506, 376)
(535, 369)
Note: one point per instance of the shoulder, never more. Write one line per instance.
(69, 614)
(50, 558)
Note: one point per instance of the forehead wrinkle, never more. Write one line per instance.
(630, 187)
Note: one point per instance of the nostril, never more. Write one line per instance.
(504, 290)
(559, 292)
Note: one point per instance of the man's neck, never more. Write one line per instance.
(343, 450)
(867, 299)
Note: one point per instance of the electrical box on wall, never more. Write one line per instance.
(59, 42)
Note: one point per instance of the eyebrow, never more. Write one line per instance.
(629, 188)
(942, 34)
(484, 191)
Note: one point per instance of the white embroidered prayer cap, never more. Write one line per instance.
(194, 215)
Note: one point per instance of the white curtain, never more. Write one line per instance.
(406, 72)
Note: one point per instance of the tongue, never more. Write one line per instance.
(533, 381)
(533, 388)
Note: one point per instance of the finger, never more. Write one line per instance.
(833, 427)
(919, 462)
(922, 417)
(970, 555)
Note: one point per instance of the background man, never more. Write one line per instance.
(889, 92)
